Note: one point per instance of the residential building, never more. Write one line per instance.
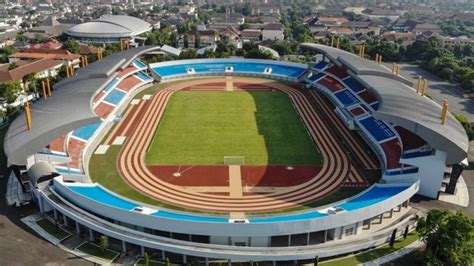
(381, 13)
(187, 11)
(426, 27)
(35, 54)
(273, 31)
(263, 9)
(208, 38)
(453, 41)
(251, 36)
(225, 19)
(43, 68)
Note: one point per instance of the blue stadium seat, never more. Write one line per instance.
(86, 132)
(114, 97)
(353, 84)
(378, 129)
(142, 76)
(347, 98)
(110, 85)
(138, 63)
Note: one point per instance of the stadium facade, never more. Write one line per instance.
(109, 29)
(403, 128)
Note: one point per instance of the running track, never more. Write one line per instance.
(336, 169)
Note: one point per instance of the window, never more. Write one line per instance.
(349, 231)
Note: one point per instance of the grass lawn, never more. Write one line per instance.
(103, 170)
(141, 262)
(52, 229)
(203, 127)
(375, 253)
(97, 252)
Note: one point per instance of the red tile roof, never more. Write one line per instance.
(25, 68)
(58, 54)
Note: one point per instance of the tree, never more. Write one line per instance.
(449, 237)
(104, 243)
(4, 53)
(146, 259)
(9, 90)
(188, 54)
(72, 46)
(29, 80)
(464, 120)
(12, 66)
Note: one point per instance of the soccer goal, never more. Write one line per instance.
(234, 160)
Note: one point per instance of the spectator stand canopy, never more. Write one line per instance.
(401, 105)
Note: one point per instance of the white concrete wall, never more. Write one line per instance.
(231, 229)
(219, 240)
(260, 241)
(272, 35)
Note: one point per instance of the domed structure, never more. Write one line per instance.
(109, 29)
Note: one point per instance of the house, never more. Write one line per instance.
(187, 11)
(191, 40)
(50, 28)
(332, 11)
(426, 27)
(381, 13)
(87, 50)
(34, 54)
(187, 41)
(268, 19)
(48, 45)
(263, 9)
(273, 31)
(419, 10)
(453, 41)
(229, 33)
(208, 38)
(340, 31)
(354, 9)
(6, 43)
(396, 36)
(43, 68)
(251, 36)
(404, 25)
(227, 19)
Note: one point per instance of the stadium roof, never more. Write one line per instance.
(401, 105)
(69, 108)
(110, 27)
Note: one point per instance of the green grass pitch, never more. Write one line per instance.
(203, 127)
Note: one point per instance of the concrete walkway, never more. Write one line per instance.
(235, 181)
(395, 255)
(229, 84)
(460, 197)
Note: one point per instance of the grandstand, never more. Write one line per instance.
(347, 104)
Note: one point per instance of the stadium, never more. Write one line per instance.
(109, 29)
(238, 160)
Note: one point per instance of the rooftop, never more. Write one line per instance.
(24, 68)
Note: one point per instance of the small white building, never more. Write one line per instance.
(273, 31)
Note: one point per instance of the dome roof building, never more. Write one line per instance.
(109, 29)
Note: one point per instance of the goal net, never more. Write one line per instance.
(234, 160)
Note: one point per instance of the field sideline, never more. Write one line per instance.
(203, 127)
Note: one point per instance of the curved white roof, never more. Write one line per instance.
(110, 27)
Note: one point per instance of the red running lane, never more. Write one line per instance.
(134, 171)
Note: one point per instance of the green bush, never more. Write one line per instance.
(464, 120)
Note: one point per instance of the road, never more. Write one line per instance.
(19, 245)
(439, 90)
